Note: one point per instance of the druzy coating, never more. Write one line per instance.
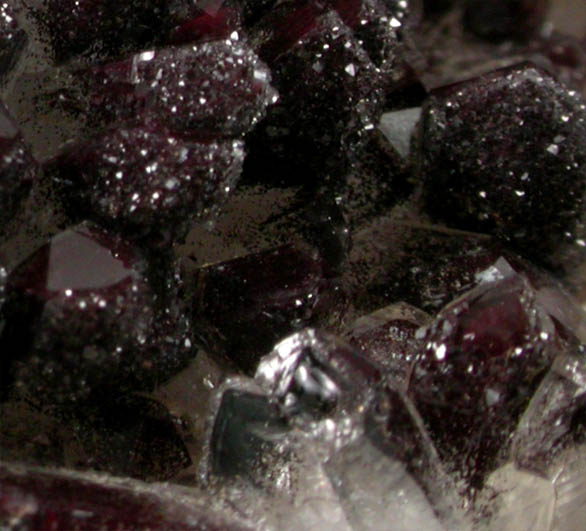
(504, 153)
(82, 306)
(214, 89)
(146, 179)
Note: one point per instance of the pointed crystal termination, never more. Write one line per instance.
(213, 89)
(246, 305)
(81, 317)
(505, 153)
(17, 166)
(36, 498)
(330, 90)
(314, 375)
(146, 180)
(485, 355)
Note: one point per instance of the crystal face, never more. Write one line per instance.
(217, 89)
(247, 304)
(504, 153)
(313, 264)
(80, 304)
(485, 355)
(144, 178)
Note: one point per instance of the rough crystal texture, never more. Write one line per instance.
(17, 166)
(103, 27)
(80, 317)
(35, 498)
(485, 355)
(377, 24)
(249, 303)
(147, 180)
(13, 40)
(218, 88)
(505, 153)
(330, 92)
(388, 338)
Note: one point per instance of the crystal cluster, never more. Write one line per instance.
(314, 264)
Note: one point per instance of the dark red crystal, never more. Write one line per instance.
(146, 180)
(248, 304)
(505, 153)
(485, 355)
(80, 316)
(34, 498)
(215, 89)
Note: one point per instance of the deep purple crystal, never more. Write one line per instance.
(218, 88)
(247, 304)
(81, 316)
(147, 180)
(505, 153)
(485, 355)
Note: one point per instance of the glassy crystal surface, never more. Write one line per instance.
(248, 304)
(315, 375)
